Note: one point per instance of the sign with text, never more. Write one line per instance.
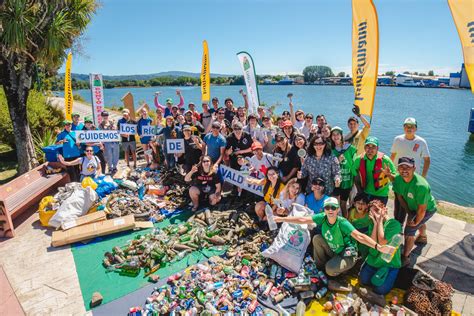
(238, 178)
(97, 136)
(129, 129)
(175, 146)
(97, 91)
(150, 130)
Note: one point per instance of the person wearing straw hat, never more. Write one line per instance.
(335, 249)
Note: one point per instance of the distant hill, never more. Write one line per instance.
(85, 77)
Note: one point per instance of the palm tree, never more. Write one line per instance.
(35, 34)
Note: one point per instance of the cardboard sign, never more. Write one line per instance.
(97, 136)
(238, 178)
(175, 146)
(150, 130)
(129, 129)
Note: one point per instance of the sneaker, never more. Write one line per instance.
(421, 240)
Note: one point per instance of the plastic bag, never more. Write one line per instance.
(76, 205)
(89, 182)
(289, 247)
(45, 211)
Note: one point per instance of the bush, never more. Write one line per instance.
(42, 117)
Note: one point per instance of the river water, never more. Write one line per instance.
(442, 116)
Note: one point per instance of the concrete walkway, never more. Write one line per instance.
(82, 108)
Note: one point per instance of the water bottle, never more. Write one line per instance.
(395, 242)
(270, 218)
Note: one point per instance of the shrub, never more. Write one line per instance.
(42, 117)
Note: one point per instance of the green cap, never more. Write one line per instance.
(65, 122)
(88, 119)
(410, 121)
(337, 128)
(75, 114)
(169, 101)
(372, 140)
(331, 201)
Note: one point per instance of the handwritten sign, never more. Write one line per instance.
(238, 179)
(175, 146)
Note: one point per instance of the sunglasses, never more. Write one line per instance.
(330, 207)
(214, 127)
(221, 113)
(319, 184)
(89, 151)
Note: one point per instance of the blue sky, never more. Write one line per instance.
(283, 36)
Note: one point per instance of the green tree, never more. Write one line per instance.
(341, 74)
(313, 73)
(390, 73)
(35, 33)
(431, 73)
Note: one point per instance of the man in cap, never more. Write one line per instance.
(372, 171)
(335, 250)
(260, 161)
(238, 143)
(196, 126)
(414, 195)
(71, 149)
(169, 103)
(111, 149)
(355, 136)
(214, 144)
(192, 108)
(411, 145)
(128, 140)
(76, 125)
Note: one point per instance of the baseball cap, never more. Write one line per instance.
(87, 119)
(188, 112)
(186, 127)
(169, 101)
(125, 111)
(318, 181)
(191, 103)
(331, 201)
(285, 113)
(75, 114)
(337, 128)
(104, 113)
(286, 123)
(66, 122)
(256, 145)
(372, 140)
(279, 135)
(406, 161)
(410, 121)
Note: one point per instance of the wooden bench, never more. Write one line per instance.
(23, 192)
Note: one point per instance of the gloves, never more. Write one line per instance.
(356, 110)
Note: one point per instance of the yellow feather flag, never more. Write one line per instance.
(205, 74)
(68, 102)
(365, 54)
(463, 15)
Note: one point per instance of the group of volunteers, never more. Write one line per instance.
(341, 177)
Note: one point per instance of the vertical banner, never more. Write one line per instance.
(205, 74)
(68, 101)
(97, 91)
(365, 54)
(248, 67)
(463, 16)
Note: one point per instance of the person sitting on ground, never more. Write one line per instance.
(260, 161)
(335, 250)
(169, 103)
(414, 195)
(345, 153)
(375, 271)
(372, 171)
(357, 137)
(214, 144)
(206, 184)
(290, 194)
(359, 213)
(89, 164)
(272, 188)
(315, 200)
(71, 149)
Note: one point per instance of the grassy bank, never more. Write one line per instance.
(456, 211)
(8, 164)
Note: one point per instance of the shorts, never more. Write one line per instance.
(411, 230)
(342, 193)
(127, 146)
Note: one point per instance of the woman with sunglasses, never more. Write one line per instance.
(89, 164)
(335, 249)
(345, 155)
(206, 184)
(272, 188)
(320, 163)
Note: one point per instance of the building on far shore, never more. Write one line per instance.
(464, 82)
(454, 79)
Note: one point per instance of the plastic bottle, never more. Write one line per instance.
(320, 294)
(395, 242)
(214, 286)
(300, 308)
(270, 218)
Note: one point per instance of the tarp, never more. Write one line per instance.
(94, 278)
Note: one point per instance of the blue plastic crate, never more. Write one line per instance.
(51, 152)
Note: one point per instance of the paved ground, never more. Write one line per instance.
(82, 109)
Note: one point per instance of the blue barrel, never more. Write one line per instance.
(51, 152)
(471, 122)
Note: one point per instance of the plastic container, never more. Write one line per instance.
(270, 219)
(51, 152)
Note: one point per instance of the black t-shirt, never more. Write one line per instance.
(206, 183)
(245, 142)
(191, 153)
(229, 115)
(290, 160)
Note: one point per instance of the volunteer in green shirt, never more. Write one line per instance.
(359, 218)
(334, 249)
(345, 155)
(375, 271)
(414, 194)
(373, 170)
